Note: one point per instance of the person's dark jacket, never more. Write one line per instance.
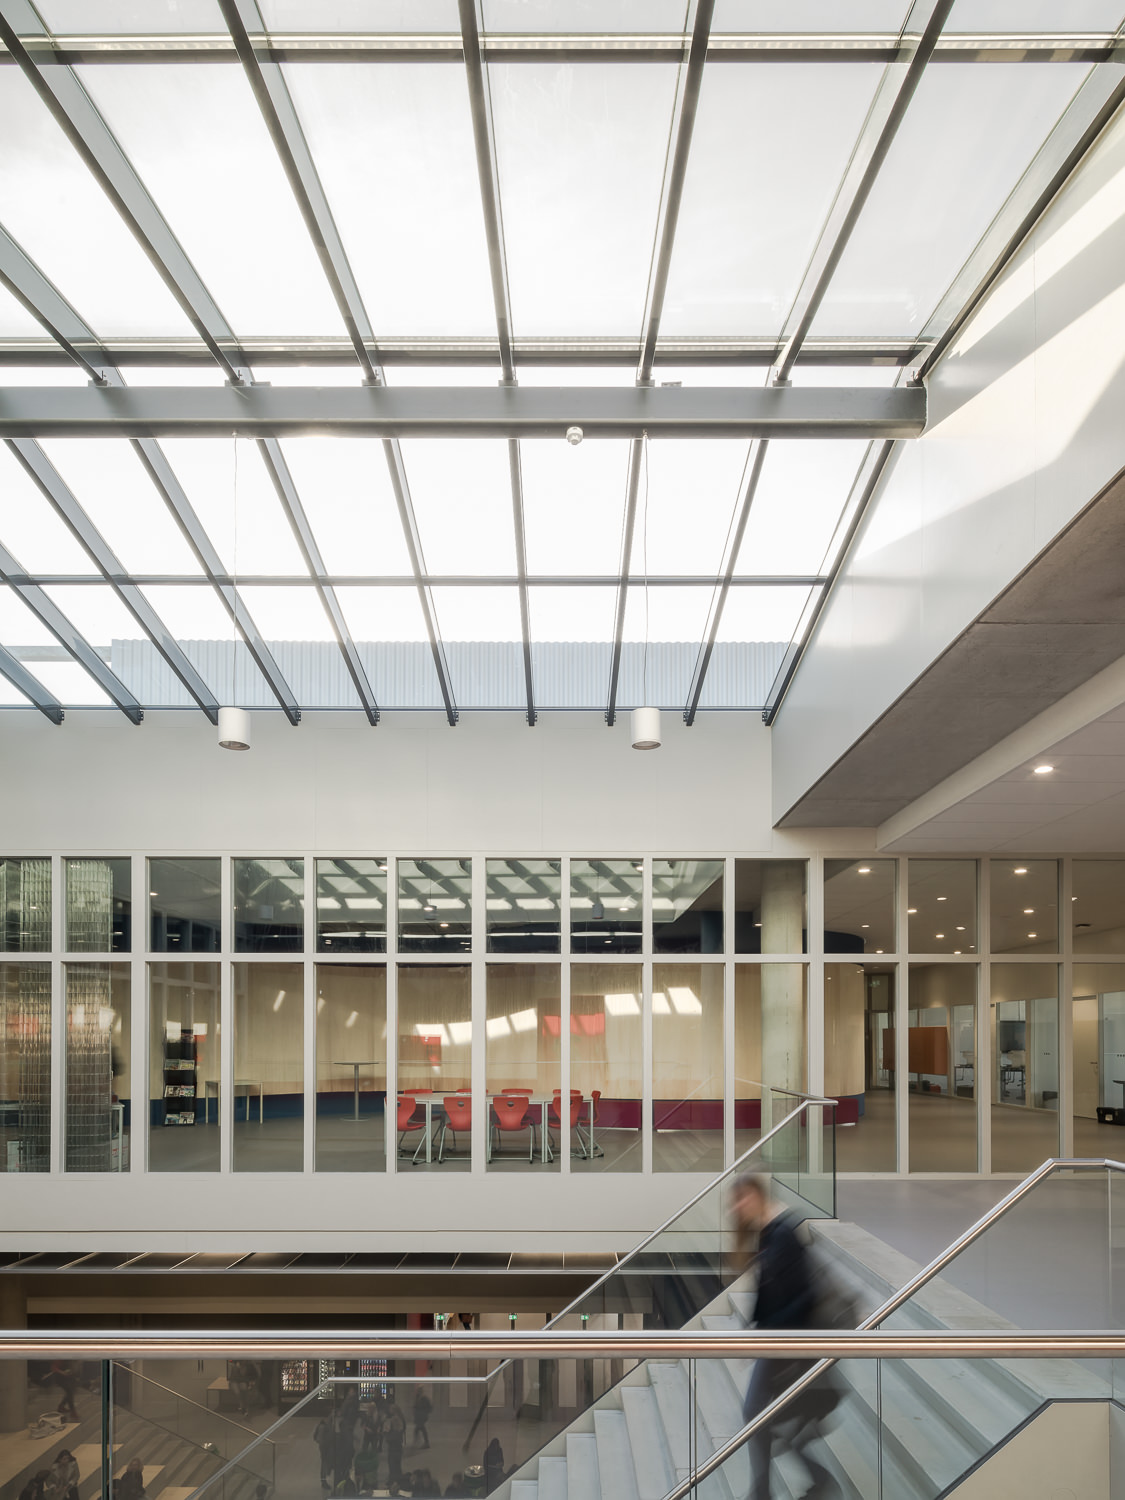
(785, 1289)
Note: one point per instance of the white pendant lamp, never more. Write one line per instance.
(234, 729)
(646, 720)
(646, 729)
(234, 723)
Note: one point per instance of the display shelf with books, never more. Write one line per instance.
(181, 1068)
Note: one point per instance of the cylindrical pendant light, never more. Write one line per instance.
(646, 729)
(234, 729)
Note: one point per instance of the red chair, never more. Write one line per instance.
(555, 1118)
(458, 1116)
(407, 1123)
(509, 1115)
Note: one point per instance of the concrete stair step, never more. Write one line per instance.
(652, 1462)
(524, 1489)
(583, 1478)
(616, 1461)
(552, 1479)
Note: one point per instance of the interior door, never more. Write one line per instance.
(1087, 1090)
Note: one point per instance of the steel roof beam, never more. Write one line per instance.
(51, 485)
(484, 141)
(700, 353)
(86, 49)
(897, 89)
(280, 115)
(722, 586)
(668, 216)
(60, 89)
(462, 411)
(74, 642)
(444, 580)
(47, 305)
(21, 679)
(278, 471)
(160, 472)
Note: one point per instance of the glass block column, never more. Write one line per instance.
(89, 1061)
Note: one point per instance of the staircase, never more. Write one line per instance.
(905, 1430)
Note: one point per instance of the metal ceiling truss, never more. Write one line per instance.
(257, 411)
(46, 304)
(71, 639)
(444, 580)
(21, 679)
(55, 490)
(84, 49)
(484, 141)
(43, 300)
(175, 352)
(280, 115)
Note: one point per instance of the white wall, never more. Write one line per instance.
(1025, 427)
(97, 785)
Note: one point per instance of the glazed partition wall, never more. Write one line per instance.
(315, 1012)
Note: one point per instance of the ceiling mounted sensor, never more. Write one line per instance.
(646, 729)
(574, 436)
(234, 729)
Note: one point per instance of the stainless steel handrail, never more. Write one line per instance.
(895, 1301)
(676, 1343)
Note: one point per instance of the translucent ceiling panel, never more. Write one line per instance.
(761, 614)
(346, 492)
(572, 614)
(383, 614)
(415, 16)
(579, 17)
(693, 488)
(107, 479)
(969, 133)
(11, 697)
(798, 502)
(674, 614)
(393, 144)
(1033, 16)
(19, 626)
(185, 375)
(98, 613)
(445, 375)
(573, 505)
(808, 15)
(581, 151)
(64, 222)
(15, 322)
(31, 529)
(122, 17)
(222, 189)
(249, 531)
(478, 614)
(755, 198)
(196, 618)
(462, 493)
(284, 613)
(71, 684)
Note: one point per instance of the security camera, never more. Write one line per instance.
(574, 436)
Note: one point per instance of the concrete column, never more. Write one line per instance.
(13, 1372)
(783, 1008)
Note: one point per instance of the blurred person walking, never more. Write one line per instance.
(786, 1298)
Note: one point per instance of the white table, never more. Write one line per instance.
(544, 1100)
(370, 1063)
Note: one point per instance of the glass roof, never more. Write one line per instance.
(577, 207)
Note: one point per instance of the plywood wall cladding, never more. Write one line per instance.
(927, 1048)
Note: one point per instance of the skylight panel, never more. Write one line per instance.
(71, 684)
(106, 477)
(347, 496)
(374, 16)
(393, 145)
(222, 188)
(801, 492)
(130, 17)
(761, 614)
(251, 535)
(15, 322)
(693, 487)
(47, 194)
(572, 614)
(287, 613)
(478, 614)
(29, 527)
(573, 505)
(581, 152)
(578, 17)
(383, 614)
(462, 493)
(970, 131)
(755, 199)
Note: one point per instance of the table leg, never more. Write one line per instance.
(261, 1103)
(429, 1130)
(356, 1067)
